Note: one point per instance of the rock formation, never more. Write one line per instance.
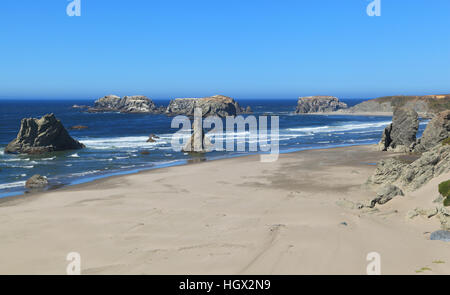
(411, 176)
(198, 142)
(217, 105)
(319, 104)
(385, 194)
(437, 130)
(46, 134)
(127, 104)
(426, 106)
(400, 136)
(36, 181)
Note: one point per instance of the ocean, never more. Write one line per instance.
(115, 142)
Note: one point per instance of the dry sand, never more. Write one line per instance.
(233, 216)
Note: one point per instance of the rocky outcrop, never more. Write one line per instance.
(400, 136)
(385, 194)
(426, 106)
(411, 176)
(319, 104)
(46, 134)
(127, 104)
(437, 131)
(217, 105)
(36, 181)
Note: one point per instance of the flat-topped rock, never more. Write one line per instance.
(217, 105)
(127, 104)
(46, 134)
(319, 104)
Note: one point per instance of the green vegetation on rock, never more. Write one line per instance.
(444, 190)
(446, 141)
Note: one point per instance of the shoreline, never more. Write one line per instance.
(227, 216)
(176, 163)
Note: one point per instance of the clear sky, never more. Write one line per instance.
(239, 48)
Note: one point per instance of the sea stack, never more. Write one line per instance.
(43, 135)
(319, 104)
(198, 142)
(217, 105)
(400, 135)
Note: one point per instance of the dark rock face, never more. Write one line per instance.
(217, 105)
(46, 134)
(400, 136)
(319, 104)
(437, 130)
(36, 181)
(127, 104)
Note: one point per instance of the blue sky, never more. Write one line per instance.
(239, 48)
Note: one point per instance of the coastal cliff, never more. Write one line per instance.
(217, 105)
(319, 104)
(421, 161)
(426, 106)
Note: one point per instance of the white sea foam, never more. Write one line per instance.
(86, 173)
(74, 156)
(49, 159)
(12, 184)
(121, 142)
(21, 166)
(121, 158)
(346, 127)
(15, 160)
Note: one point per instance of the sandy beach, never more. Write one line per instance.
(231, 216)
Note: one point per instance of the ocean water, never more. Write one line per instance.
(114, 142)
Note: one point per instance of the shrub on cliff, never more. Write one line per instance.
(444, 190)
